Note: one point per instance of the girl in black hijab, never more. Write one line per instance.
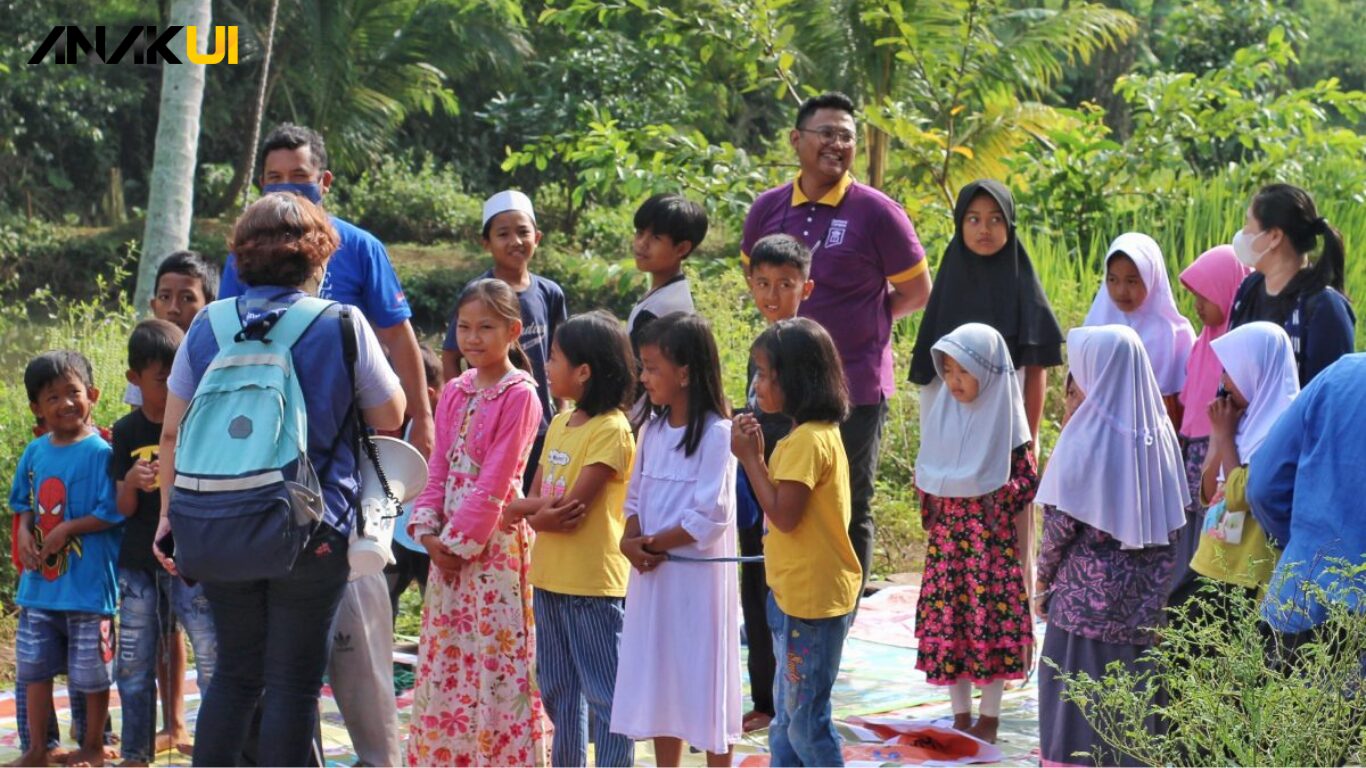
(986, 277)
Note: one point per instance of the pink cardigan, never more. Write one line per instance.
(484, 470)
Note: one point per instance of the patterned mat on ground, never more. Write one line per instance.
(887, 712)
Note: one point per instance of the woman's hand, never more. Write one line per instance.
(163, 530)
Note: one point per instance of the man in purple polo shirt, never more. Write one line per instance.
(869, 270)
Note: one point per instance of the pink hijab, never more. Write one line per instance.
(1215, 276)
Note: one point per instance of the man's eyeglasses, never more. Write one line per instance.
(831, 135)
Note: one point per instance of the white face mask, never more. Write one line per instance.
(1242, 248)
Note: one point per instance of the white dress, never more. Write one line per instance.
(679, 668)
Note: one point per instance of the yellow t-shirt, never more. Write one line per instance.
(813, 571)
(1248, 563)
(587, 562)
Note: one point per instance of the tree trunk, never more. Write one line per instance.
(877, 157)
(170, 198)
(246, 168)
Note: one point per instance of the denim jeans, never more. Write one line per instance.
(150, 602)
(808, 654)
(273, 646)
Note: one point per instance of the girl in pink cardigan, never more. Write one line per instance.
(475, 702)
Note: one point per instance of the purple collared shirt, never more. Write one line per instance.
(860, 239)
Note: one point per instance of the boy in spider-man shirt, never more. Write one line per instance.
(64, 499)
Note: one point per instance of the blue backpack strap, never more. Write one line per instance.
(297, 319)
(225, 321)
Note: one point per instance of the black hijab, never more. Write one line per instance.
(1000, 290)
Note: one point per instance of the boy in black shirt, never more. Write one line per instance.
(150, 599)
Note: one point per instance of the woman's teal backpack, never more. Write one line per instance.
(246, 498)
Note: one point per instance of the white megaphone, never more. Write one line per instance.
(373, 534)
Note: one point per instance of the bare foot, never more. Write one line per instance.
(34, 756)
(962, 721)
(83, 757)
(985, 728)
(111, 753)
(754, 720)
(179, 741)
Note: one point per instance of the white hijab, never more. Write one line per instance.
(1167, 335)
(1117, 465)
(1260, 360)
(965, 448)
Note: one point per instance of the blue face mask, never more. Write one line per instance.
(310, 191)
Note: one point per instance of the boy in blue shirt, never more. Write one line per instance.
(64, 500)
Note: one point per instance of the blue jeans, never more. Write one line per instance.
(576, 665)
(273, 646)
(808, 655)
(147, 600)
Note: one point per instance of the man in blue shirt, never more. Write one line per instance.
(294, 159)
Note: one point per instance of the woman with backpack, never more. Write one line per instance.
(263, 393)
(1281, 228)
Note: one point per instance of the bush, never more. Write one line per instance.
(38, 258)
(1233, 696)
(407, 199)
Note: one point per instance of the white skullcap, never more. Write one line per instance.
(508, 200)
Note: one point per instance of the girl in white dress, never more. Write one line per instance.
(679, 672)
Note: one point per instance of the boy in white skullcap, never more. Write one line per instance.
(510, 236)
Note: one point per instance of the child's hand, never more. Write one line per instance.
(28, 549)
(635, 550)
(509, 519)
(929, 511)
(1224, 416)
(746, 438)
(448, 563)
(1040, 600)
(559, 515)
(53, 542)
(142, 475)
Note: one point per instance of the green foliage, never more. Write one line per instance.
(1232, 696)
(63, 127)
(357, 68)
(973, 73)
(410, 199)
(41, 261)
(1241, 113)
(1203, 35)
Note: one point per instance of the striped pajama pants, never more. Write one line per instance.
(576, 667)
